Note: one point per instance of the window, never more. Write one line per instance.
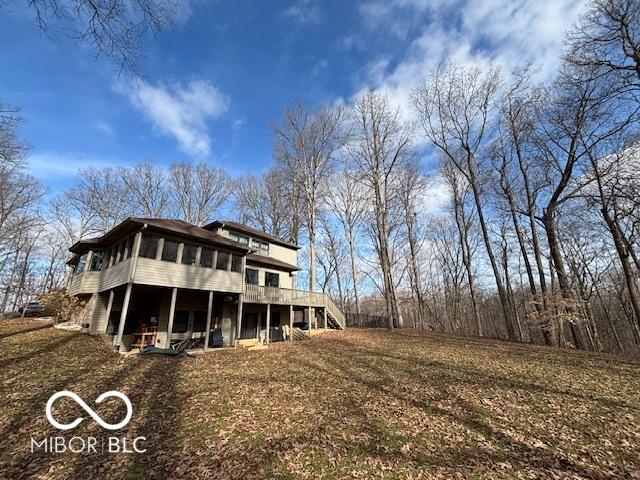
(128, 243)
(180, 321)
(236, 237)
(236, 263)
(262, 247)
(170, 251)
(149, 246)
(271, 279)
(108, 258)
(96, 261)
(121, 249)
(199, 321)
(82, 261)
(189, 254)
(251, 276)
(206, 258)
(222, 261)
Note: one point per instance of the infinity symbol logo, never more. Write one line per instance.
(89, 410)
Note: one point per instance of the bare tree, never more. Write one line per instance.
(198, 191)
(347, 201)
(264, 202)
(115, 29)
(455, 110)
(606, 40)
(381, 149)
(147, 186)
(306, 143)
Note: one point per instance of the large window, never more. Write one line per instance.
(149, 246)
(206, 258)
(251, 276)
(262, 247)
(271, 279)
(170, 250)
(180, 321)
(236, 263)
(223, 260)
(189, 254)
(96, 261)
(199, 321)
(120, 256)
(236, 237)
(128, 245)
(81, 263)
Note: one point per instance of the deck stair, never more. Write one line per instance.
(250, 344)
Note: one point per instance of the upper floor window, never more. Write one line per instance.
(251, 276)
(271, 279)
(262, 247)
(120, 255)
(223, 260)
(149, 246)
(128, 245)
(236, 237)
(189, 254)
(170, 251)
(96, 261)
(206, 258)
(82, 261)
(236, 263)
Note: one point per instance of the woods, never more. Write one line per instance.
(527, 230)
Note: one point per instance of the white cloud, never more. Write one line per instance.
(52, 166)
(507, 33)
(304, 12)
(104, 128)
(180, 111)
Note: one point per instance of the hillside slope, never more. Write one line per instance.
(356, 404)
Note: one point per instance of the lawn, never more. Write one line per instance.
(355, 404)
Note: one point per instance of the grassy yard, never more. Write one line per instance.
(358, 404)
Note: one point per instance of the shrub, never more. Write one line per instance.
(63, 306)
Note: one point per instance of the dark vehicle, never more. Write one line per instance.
(32, 309)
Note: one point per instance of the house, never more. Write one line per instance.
(159, 281)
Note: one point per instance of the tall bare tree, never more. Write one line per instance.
(306, 143)
(381, 148)
(455, 109)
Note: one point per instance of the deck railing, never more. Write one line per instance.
(287, 296)
(284, 296)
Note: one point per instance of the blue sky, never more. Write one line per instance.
(213, 84)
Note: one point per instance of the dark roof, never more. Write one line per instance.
(175, 227)
(255, 259)
(250, 231)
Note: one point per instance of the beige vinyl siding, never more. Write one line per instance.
(99, 318)
(289, 255)
(169, 274)
(86, 282)
(116, 275)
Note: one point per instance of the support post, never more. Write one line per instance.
(291, 323)
(268, 322)
(123, 316)
(309, 319)
(239, 320)
(109, 306)
(172, 311)
(325, 317)
(208, 329)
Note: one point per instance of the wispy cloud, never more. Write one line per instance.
(180, 111)
(506, 33)
(52, 166)
(304, 12)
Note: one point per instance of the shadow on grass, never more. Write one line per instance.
(469, 416)
(27, 330)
